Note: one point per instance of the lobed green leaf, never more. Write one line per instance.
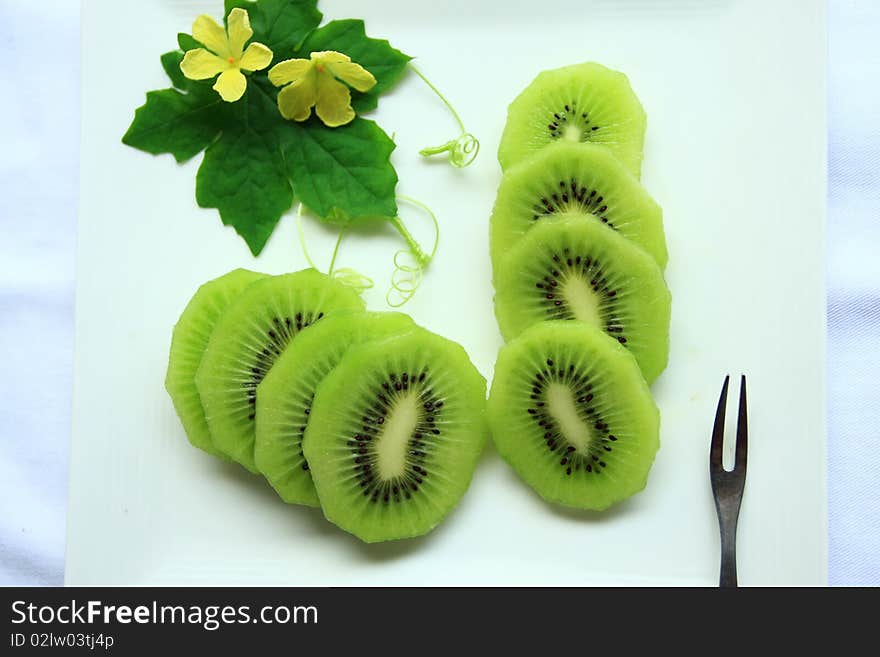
(387, 64)
(344, 174)
(243, 173)
(182, 124)
(187, 42)
(256, 163)
(171, 65)
(282, 25)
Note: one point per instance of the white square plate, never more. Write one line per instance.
(735, 154)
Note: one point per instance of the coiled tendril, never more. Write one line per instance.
(463, 149)
(405, 279)
(410, 264)
(345, 275)
(353, 279)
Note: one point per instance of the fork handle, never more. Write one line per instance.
(728, 552)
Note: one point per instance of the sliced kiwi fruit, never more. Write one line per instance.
(394, 435)
(583, 103)
(570, 412)
(284, 398)
(247, 340)
(575, 178)
(188, 342)
(571, 269)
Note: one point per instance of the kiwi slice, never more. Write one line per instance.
(250, 335)
(394, 435)
(188, 342)
(284, 398)
(575, 178)
(568, 268)
(584, 103)
(571, 413)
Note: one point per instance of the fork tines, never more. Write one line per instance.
(728, 485)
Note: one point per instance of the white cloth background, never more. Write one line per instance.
(39, 164)
(853, 266)
(39, 115)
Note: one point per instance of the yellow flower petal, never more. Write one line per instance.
(329, 57)
(231, 85)
(289, 70)
(206, 31)
(333, 106)
(353, 74)
(199, 64)
(295, 100)
(256, 57)
(238, 25)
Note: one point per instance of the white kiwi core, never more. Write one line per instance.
(562, 408)
(572, 132)
(582, 301)
(393, 442)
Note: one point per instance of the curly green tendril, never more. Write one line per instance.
(463, 149)
(345, 275)
(409, 264)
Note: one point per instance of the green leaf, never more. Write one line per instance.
(280, 24)
(243, 174)
(171, 64)
(376, 55)
(343, 174)
(182, 124)
(187, 42)
(256, 163)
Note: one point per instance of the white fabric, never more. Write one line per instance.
(854, 292)
(39, 113)
(39, 164)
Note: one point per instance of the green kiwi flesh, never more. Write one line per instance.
(570, 412)
(394, 435)
(571, 268)
(575, 178)
(284, 397)
(583, 103)
(189, 340)
(251, 334)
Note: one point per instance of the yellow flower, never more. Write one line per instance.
(225, 54)
(313, 83)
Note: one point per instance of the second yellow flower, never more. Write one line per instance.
(315, 82)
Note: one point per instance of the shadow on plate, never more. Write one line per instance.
(313, 518)
(261, 489)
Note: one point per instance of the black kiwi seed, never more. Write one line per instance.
(569, 113)
(587, 269)
(574, 196)
(277, 338)
(374, 412)
(581, 387)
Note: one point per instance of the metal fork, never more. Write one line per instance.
(727, 485)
